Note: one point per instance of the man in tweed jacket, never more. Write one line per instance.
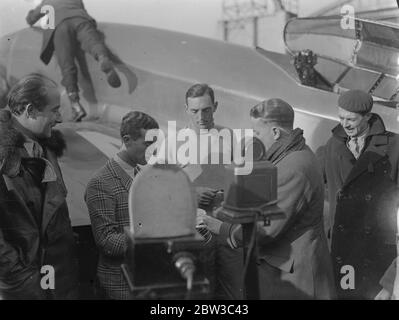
(107, 201)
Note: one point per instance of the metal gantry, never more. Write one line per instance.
(238, 14)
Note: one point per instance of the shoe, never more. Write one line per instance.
(78, 112)
(107, 66)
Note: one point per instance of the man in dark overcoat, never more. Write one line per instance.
(38, 257)
(360, 163)
(293, 257)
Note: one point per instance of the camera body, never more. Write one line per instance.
(153, 267)
(166, 258)
(253, 190)
(252, 196)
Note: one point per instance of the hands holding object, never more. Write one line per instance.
(207, 223)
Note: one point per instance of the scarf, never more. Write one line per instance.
(285, 145)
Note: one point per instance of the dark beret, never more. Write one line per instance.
(356, 101)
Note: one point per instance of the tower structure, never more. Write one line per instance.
(238, 14)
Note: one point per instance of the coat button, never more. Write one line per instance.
(30, 204)
(340, 228)
(367, 230)
(368, 197)
(338, 259)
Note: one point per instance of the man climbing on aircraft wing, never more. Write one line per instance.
(73, 27)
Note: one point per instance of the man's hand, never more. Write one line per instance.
(33, 16)
(211, 223)
(205, 196)
(29, 18)
(384, 294)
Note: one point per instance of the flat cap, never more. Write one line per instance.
(274, 110)
(356, 101)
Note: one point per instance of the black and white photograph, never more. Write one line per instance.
(218, 151)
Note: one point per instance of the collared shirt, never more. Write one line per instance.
(356, 144)
(131, 171)
(35, 150)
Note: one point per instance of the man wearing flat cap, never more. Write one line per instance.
(294, 261)
(360, 165)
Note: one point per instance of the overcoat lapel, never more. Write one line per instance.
(55, 194)
(120, 174)
(346, 161)
(373, 153)
(12, 188)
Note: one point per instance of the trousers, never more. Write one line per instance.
(70, 36)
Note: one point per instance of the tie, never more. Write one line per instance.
(136, 170)
(37, 150)
(355, 147)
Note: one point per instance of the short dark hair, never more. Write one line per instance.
(134, 121)
(199, 90)
(31, 89)
(275, 111)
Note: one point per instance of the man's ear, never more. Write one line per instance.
(215, 106)
(30, 111)
(126, 139)
(186, 107)
(276, 133)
